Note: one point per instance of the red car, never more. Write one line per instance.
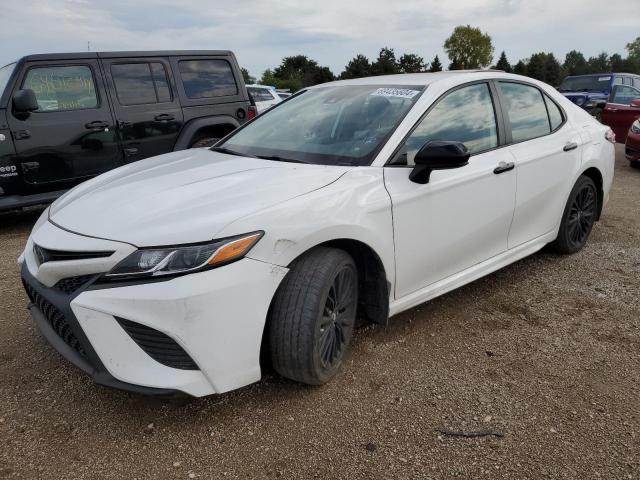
(632, 148)
(622, 109)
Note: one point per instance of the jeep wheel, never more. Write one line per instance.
(313, 315)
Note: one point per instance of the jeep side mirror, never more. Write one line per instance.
(25, 101)
(438, 155)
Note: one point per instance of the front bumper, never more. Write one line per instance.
(217, 317)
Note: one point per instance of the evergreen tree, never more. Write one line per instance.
(503, 64)
(386, 63)
(411, 63)
(357, 67)
(436, 66)
(520, 68)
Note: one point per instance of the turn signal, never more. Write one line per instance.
(234, 249)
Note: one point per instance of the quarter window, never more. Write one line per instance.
(555, 114)
(465, 115)
(260, 94)
(526, 110)
(207, 78)
(141, 83)
(62, 88)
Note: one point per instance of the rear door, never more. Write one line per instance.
(619, 114)
(146, 107)
(71, 136)
(548, 154)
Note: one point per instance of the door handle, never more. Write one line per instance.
(570, 146)
(21, 134)
(609, 109)
(504, 167)
(164, 117)
(97, 125)
(130, 152)
(122, 124)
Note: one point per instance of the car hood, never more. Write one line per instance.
(183, 197)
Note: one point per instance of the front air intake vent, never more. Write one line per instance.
(47, 255)
(157, 345)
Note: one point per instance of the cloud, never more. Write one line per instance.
(261, 33)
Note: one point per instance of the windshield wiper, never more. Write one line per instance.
(231, 152)
(278, 158)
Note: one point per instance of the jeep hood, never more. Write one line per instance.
(183, 197)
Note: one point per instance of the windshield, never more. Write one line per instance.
(333, 125)
(5, 73)
(595, 83)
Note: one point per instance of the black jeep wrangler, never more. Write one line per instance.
(68, 117)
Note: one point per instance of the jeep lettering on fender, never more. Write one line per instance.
(8, 171)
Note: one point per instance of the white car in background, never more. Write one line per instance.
(353, 199)
(264, 97)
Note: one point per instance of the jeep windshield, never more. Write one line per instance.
(333, 125)
(593, 83)
(5, 73)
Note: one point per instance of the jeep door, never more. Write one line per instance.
(146, 107)
(71, 136)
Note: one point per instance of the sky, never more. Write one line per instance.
(262, 32)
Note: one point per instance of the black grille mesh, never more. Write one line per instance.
(157, 345)
(71, 284)
(56, 319)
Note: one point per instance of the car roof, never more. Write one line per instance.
(153, 53)
(416, 79)
(603, 74)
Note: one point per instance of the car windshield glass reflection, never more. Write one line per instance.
(334, 125)
(586, 84)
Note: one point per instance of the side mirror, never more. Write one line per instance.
(438, 155)
(635, 103)
(25, 101)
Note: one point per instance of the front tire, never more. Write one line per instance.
(204, 142)
(313, 315)
(597, 113)
(578, 217)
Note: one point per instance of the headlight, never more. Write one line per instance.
(178, 260)
(635, 126)
(580, 100)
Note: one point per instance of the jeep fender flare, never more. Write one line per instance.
(191, 127)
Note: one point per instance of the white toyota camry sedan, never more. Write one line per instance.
(351, 200)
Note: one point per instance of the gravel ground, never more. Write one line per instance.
(545, 352)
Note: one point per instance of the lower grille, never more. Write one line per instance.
(162, 348)
(56, 319)
(71, 284)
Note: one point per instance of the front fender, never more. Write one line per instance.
(355, 207)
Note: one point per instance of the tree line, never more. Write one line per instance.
(467, 48)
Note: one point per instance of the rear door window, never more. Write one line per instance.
(207, 78)
(62, 87)
(260, 94)
(526, 110)
(141, 83)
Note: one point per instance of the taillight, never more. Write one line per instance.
(252, 112)
(610, 136)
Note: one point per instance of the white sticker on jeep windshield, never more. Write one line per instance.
(603, 79)
(395, 92)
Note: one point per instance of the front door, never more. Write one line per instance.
(71, 136)
(460, 217)
(619, 114)
(146, 105)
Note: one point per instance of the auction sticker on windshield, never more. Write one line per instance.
(395, 92)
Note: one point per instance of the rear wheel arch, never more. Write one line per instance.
(594, 174)
(205, 127)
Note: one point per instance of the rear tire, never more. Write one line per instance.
(634, 163)
(313, 315)
(578, 217)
